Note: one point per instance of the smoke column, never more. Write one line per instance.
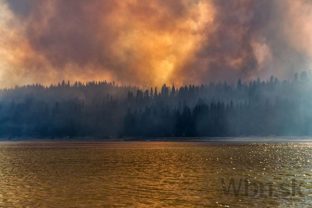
(144, 42)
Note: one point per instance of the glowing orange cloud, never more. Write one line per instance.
(155, 47)
(145, 43)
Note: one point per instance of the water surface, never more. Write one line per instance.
(155, 174)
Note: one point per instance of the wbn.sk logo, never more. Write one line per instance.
(254, 188)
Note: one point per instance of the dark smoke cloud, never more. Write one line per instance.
(151, 42)
(249, 41)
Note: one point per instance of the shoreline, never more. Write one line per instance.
(251, 139)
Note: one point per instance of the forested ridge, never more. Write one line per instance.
(107, 110)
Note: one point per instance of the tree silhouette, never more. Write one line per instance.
(106, 110)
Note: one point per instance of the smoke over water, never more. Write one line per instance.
(145, 42)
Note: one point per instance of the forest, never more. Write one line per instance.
(107, 110)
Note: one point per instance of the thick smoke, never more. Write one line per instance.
(153, 42)
(253, 39)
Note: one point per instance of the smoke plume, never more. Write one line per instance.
(141, 42)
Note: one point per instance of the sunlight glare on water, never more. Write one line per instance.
(152, 174)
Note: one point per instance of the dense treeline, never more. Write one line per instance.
(106, 110)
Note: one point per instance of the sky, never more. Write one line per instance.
(153, 42)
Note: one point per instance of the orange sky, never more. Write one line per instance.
(145, 43)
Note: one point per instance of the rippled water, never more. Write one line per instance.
(155, 174)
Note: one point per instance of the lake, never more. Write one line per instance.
(155, 174)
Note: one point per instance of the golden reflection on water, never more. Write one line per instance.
(150, 174)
